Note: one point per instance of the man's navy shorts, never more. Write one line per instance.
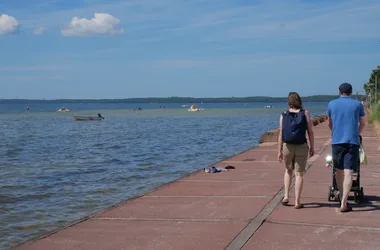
(346, 156)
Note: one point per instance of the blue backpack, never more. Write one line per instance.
(294, 126)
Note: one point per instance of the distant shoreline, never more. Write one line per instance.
(184, 100)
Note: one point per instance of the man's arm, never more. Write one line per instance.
(310, 131)
(330, 123)
(329, 116)
(362, 123)
(365, 112)
(363, 119)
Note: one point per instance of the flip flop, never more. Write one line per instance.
(285, 202)
(298, 206)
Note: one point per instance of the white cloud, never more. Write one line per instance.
(39, 30)
(8, 24)
(100, 24)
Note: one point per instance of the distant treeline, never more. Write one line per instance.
(314, 98)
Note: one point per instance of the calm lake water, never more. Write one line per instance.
(55, 170)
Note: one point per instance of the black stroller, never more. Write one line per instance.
(356, 188)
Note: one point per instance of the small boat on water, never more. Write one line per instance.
(185, 106)
(87, 118)
(268, 106)
(194, 109)
(63, 110)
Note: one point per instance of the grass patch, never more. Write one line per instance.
(374, 114)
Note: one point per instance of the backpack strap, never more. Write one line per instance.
(302, 111)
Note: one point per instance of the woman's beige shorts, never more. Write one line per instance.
(295, 156)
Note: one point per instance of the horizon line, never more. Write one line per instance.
(169, 97)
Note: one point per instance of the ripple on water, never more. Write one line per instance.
(99, 145)
(145, 164)
(117, 147)
(110, 161)
(14, 151)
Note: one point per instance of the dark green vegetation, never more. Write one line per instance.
(370, 86)
(314, 98)
(372, 89)
(375, 114)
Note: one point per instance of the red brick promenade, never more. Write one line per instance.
(238, 209)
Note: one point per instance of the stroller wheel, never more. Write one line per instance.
(356, 197)
(337, 198)
(361, 194)
(331, 195)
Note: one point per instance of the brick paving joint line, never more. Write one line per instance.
(244, 236)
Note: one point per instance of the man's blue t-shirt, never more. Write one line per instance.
(345, 114)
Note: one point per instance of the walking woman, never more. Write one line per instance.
(293, 148)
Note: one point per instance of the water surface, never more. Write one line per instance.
(55, 170)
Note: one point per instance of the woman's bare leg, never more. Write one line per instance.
(298, 187)
(287, 182)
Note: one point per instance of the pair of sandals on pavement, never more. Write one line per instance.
(348, 207)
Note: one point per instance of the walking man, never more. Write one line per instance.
(345, 115)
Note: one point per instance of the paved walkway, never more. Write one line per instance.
(238, 209)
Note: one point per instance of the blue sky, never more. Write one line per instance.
(202, 48)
